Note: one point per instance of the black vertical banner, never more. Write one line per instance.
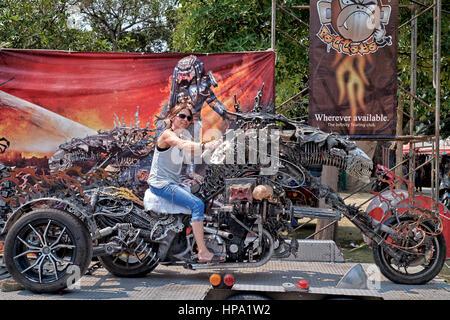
(353, 66)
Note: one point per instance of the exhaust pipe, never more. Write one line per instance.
(220, 233)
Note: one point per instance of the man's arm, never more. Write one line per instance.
(216, 105)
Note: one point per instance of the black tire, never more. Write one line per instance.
(430, 270)
(128, 266)
(59, 249)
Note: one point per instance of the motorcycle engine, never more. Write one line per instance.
(241, 207)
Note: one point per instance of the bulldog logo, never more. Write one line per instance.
(354, 26)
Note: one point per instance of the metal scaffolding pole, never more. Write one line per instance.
(437, 83)
(413, 88)
(274, 16)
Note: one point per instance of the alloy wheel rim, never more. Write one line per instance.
(44, 251)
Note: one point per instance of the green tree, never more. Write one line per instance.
(131, 25)
(424, 116)
(41, 24)
(104, 25)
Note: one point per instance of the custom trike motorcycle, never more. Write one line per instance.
(256, 182)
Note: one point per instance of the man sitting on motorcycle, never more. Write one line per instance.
(165, 172)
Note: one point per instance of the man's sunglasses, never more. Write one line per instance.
(184, 116)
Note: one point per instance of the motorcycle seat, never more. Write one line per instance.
(160, 205)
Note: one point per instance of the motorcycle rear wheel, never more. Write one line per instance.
(128, 265)
(427, 264)
(47, 250)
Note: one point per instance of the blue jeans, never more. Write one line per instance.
(182, 196)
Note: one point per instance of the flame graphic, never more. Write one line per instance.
(351, 81)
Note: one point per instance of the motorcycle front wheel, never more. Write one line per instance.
(423, 259)
(47, 250)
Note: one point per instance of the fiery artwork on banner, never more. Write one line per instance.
(49, 97)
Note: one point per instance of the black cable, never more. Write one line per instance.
(423, 5)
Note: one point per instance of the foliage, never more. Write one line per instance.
(130, 25)
(108, 25)
(41, 24)
(221, 26)
(425, 116)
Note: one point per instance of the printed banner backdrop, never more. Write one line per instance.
(48, 97)
(353, 67)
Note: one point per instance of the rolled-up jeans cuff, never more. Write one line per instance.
(197, 217)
